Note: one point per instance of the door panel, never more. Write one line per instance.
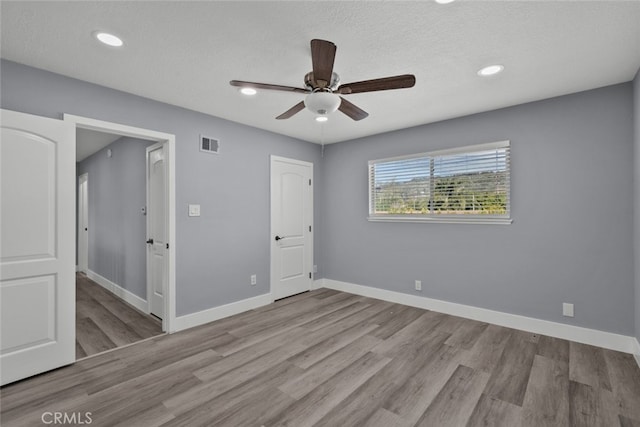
(83, 223)
(156, 226)
(37, 223)
(291, 221)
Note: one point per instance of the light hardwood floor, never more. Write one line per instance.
(104, 321)
(327, 358)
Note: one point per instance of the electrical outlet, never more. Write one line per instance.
(254, 280)
(418, 285)
(567, 309)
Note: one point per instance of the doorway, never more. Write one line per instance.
(162, 214)
(291, 227)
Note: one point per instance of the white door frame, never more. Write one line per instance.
(83, 243)
(169, 321)
(273, 231)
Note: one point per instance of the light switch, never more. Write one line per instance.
(194, 210)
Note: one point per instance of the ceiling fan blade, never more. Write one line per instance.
(291, 111)
(240, 83)
(386, 83)
(351, 110)
(323, 53)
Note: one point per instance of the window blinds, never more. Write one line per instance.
(471, 181)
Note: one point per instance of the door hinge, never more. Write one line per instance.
(167, 246)
(309, 275)
(309, 182)
(309, 228)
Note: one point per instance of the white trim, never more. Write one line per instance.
(579, 334)
(441, 220)
(170, 140)
(317, 284)
(119, 291)
(636, 353)
(216, 313)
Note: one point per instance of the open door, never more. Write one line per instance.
(157, 243)
(37, 223)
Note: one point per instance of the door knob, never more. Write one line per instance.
(279, 238)
(150, 241)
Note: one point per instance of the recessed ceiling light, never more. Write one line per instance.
(490, 70)
(248, 91)
(108, 39)
(322, 119)
(444, 1)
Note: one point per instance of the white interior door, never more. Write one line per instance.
(156, 229)
(83, 223)
(291, 226)
(37, 250)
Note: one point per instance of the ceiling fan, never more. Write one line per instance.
(323, 88)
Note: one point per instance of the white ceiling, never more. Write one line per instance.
(185, 53)
(91, 141)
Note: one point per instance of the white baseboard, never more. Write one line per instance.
(636, 352)
(119, 291)
(209, 315)
(317, 284)
(579, 334)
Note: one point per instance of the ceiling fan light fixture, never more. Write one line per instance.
(249, 91)
(444, 1)
(322, 119)
(490, 70)
(322, 103)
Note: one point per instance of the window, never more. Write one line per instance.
(467, 184)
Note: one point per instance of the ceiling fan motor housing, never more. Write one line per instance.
(322, 102)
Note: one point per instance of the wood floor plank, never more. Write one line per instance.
(397, 321)
(625, 382)
(457, 399)
(421, 327)
(313, 406)
(590, 406)
(553, 348)
(219, 409)
(546, 401)
(628, 422)
(383, 386)
(510, 376)
(91, 338)
(587, 366)
(466, 335)
(323, 370)
(413, 398)
(384, 418)
(495, 413)
(325, 348)
(487, 351)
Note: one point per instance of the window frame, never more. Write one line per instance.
(444, 218)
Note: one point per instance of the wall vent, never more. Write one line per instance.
(209, 145)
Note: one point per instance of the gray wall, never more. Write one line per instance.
(636, 135)
(218, 251)
(572, 210)
(117, 227)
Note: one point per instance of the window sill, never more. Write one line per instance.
(442, 220)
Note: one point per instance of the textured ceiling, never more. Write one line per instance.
(185, 53)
